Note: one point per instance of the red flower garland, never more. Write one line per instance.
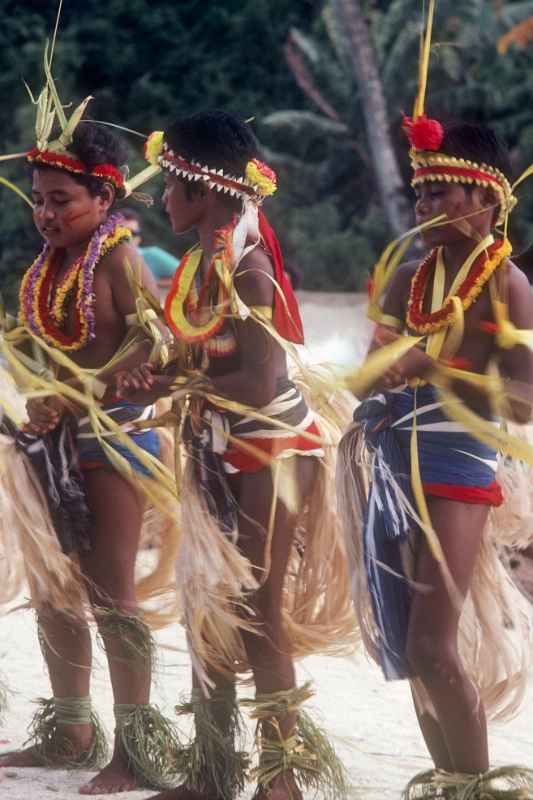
(468, 292)
(44, 298)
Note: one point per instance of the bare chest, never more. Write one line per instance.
(109, 324)
(477, 346)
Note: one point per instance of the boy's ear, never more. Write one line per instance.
(107, 195)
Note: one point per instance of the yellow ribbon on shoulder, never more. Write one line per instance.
(446, 342)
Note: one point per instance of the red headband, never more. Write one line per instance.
(107, 172)
(221, 179)
(476, 175)
(426, 137)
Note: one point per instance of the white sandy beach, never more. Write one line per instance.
(372, 722)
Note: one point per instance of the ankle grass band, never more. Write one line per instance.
(278, 704)
(306, 753)
(72, 710)
(502, 783)
(213, 762)
(149, 743)
(53, 748)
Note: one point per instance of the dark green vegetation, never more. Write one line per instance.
(147, 61)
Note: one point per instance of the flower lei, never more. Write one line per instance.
(44, 312)
(188, 312)
(468, 292)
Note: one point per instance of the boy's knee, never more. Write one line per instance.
(111, 587)
(432, 657)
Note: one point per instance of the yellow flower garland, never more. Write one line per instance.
(489, 267)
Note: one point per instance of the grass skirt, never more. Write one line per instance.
(495, 632)
(215, 580)
(31, 559)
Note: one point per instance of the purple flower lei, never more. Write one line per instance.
(86, 301)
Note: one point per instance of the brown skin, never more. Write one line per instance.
(457, 738)
(251, 379)
(477, 347)
(67, 216)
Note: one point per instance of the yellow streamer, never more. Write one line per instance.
(423, 67)
(17, 191)
(388, 263)
(378, 362)
(418, 492)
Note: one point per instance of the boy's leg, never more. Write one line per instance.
(431, 731)
(66, 645)
(117, 512)
(269, 653)
(432, 638)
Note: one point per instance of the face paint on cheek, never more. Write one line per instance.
(69, 219)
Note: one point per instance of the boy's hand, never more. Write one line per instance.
(414, 364)
(127, 382)
(44, 414)
(140, 385)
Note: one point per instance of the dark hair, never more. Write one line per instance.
(476, 143)
(215, 139)
(94, 144)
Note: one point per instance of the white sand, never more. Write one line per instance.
(336, 328)
(372, 722)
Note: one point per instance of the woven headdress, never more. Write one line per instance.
(426, 136)
(246, 229)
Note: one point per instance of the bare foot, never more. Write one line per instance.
(21, 758)
(283, 787)
(75, 743)
(114, 778)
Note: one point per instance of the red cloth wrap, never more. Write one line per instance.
(286, 318)
(244, 461)
(490, 495)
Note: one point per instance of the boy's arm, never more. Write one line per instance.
(130, 367)
(254, 381)
(394, 304)
(415, 362)
(123, 300)
(516, 364)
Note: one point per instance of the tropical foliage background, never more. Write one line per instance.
(326, 82)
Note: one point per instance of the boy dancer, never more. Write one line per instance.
(76, 298)
(260, 570)
(421, 600)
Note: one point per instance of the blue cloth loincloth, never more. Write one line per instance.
(91, 453)
(450, 458)
(58, 459)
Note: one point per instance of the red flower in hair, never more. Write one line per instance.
(423, 133)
